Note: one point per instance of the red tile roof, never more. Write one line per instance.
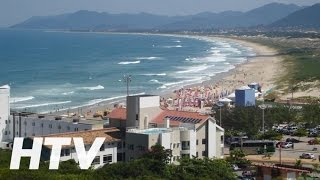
(118, 113)
(111, 135)
(185, 114)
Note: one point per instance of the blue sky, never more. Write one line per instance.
(14, 11)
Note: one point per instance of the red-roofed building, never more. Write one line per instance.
(185, 133)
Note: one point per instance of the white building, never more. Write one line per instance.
(4, 113)
(110, 152)
(29, 124)
(185, 133)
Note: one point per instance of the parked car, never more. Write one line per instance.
(293, 140)
(235, 167)
(307, 156)
(287, 145)
(279, 144)
(313, 141)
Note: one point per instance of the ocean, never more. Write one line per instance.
(50, 71)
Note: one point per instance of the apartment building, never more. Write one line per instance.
(4, 113)
(185, 133)
(29, 124)
(110, 152)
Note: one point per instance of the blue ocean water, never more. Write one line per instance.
(60, 70)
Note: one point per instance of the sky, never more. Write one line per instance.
(15, 11)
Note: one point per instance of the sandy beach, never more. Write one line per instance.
(263, 68)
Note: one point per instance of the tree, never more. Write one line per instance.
(159, 153)
(301, 132)
(237, 156)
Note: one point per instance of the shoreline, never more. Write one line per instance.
(252, 64)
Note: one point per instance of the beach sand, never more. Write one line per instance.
(264, 68)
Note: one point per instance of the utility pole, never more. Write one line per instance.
(127, 79)
(220, 105)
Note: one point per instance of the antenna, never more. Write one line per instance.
(127, 79)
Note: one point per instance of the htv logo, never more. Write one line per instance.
(85, 158)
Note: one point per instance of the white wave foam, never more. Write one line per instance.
(148, 58)
(44, 104)
(20, 99)
(68, 93)
(129, 62)
(194, 69)
(99, 87)
(177, 41)
(160, 74)
(154, 81)
(183, 83)
(176, 46)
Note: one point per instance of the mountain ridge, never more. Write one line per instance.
(91, 20)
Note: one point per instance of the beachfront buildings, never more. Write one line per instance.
(245, 96)
(110, 152)
(185, 133)
(4, 114)
(30, 124)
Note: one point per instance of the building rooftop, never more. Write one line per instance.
(59, 118)
(118, 113)
(111, 135)
(176, 117)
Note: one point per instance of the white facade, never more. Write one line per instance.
(24, 126)
(4, 112)
(106, 155)
(183, 141)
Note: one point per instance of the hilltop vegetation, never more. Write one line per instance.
(301, 61)
(153, 165)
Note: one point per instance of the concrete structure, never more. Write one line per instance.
(245, 96)
(185, 133)
(29, 124)
(4, 114)
(110, 152)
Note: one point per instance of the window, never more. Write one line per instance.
(204, 153)
(96, 160)
(41, 124)
(9, 132)
(33, 124)
(67, 152)
(185, 145)
(68, 128)
(25, 123)
(50, 125)
(178, 144)
(17, 133)
(174, 158)
(33, 134)
(197, 142)
(102, 147)
(59, 127)
(6, 122)
(5, 133)
(141, 148)
(174, 145)
(221, 138)
(62, 153)
(197, 154)
(204, 141)
(25, 134)
(131, 147)
(119, 157)
(107, 158)
(137, 117)
(9, 121)
(76, 129)
(119, 146)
